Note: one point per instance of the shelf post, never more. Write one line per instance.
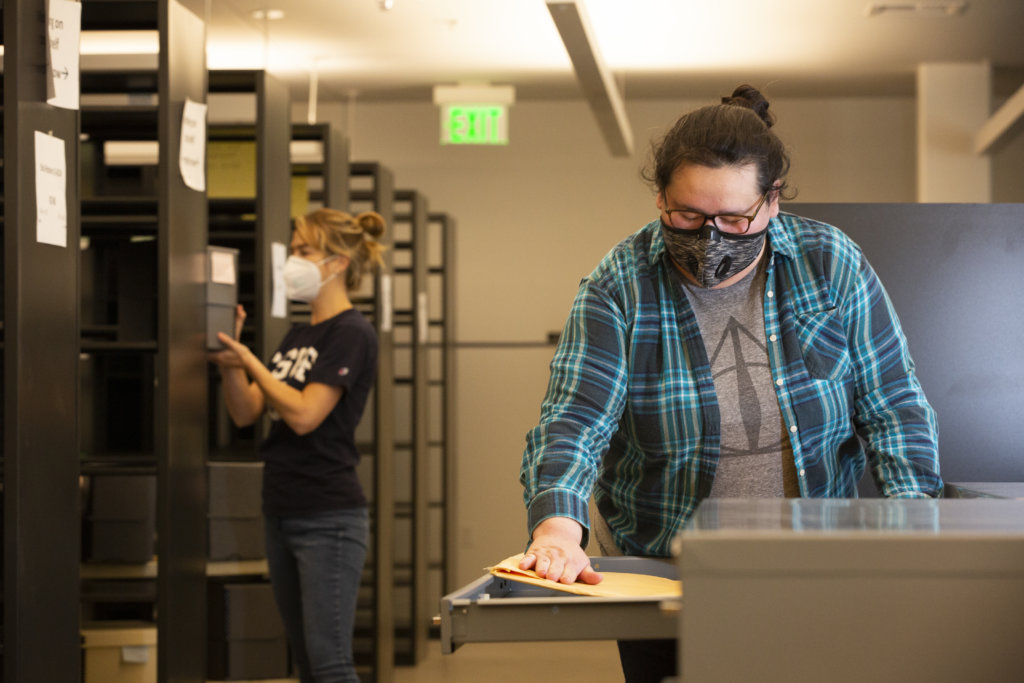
(180, 426)
(41, 532)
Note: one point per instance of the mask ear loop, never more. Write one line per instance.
(335, 273)
(327, 259)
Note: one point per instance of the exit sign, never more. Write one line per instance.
(474, 124)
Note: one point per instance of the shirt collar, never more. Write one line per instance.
(657, 249)
(780, 237)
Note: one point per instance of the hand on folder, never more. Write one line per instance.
(556, 552)
(613, 585)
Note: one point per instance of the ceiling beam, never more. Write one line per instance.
(1009, 117)
(595, 80)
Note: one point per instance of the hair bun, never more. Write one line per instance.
(751, 98)
(371, 223)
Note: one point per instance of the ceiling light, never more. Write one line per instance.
(471, 93)
(593, 76)
(269, 14)
(946, 9)
(119, 43)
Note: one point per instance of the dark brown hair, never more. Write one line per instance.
(734, 133)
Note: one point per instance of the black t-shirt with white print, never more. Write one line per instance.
(316, 472)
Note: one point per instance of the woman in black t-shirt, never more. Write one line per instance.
(314, 390)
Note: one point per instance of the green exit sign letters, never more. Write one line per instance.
(474, 124)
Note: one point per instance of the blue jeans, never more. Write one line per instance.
(315, 567)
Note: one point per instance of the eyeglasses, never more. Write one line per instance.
(688, 219)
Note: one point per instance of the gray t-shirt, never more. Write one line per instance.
(756, 457)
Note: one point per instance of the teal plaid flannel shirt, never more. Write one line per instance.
(631, 404)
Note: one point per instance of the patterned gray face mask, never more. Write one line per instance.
(710, 255)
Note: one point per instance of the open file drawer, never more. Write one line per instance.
(493, 609)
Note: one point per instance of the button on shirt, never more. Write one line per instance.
(631, 403)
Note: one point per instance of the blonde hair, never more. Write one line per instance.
(336, 232)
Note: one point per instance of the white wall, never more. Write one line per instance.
(536, 216)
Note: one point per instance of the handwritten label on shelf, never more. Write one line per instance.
(192, 156)
(63, 33)
(51, 186)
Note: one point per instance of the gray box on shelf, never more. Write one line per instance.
(221, 293)
(246, 636)
(122, 518)
(235, 516)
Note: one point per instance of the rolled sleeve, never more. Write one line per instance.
(580, 412)
(559, 503)
(892, 414)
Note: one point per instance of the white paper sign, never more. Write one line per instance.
(192, 156)
(51, 184)
(279, 302)
(63, 32)
(222, 268)
(387, 309)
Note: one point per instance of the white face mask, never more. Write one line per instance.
(302, 278)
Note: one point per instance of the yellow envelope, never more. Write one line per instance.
(613, 585)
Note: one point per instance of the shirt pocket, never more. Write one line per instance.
(823, 345)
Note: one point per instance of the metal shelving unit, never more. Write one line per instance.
(441, 436)
(143, 403)
(372, 188)
(413, 608)
(40, 372)
(423, 383)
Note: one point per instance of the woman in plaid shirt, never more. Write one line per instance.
(727, 348)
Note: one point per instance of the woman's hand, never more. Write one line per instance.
(244, 398)
(232, 354)
(555, 552)
(239, 320)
